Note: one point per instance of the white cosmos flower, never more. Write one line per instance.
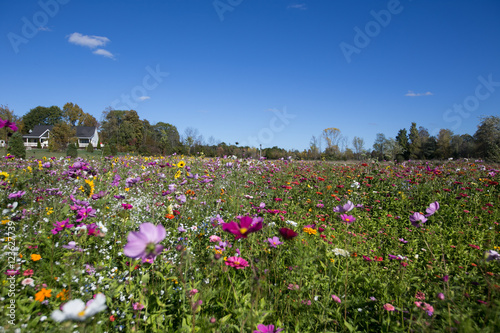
(293, 224)
(77, 310)
(340, 252)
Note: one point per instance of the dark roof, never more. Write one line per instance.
(81, 131)
(38, 130)
(85, 131)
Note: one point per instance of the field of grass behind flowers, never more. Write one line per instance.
(182, 244)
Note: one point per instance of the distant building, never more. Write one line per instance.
(41, 133)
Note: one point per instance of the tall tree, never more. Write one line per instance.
(42, 116)
(415, 146)
(332, 138)
(60, 136)
(380, 145)
(358, 144)
(488, 138)
(443, 144)
(313, 147)
(167, 137)
(72, 113)
(402, 140)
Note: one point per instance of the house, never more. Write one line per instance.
(41, 133)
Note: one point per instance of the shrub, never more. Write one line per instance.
(16, 146)
(90, 148)
(39, 145)
(72, 151)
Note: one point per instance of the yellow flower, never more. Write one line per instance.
(49, 210)
(42, 294)
(127, 189)
(310, 231)
(177, 174)
(5, 220)
(4, 174)
(181, 164)
(36, 257)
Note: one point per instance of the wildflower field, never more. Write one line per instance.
(183, 244)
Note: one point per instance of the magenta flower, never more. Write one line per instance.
(347, 218)
(127, 206)
(416, 218)
(59, 226)
(144, 243)
(261, 328)
(246, 226)
(237, 262)
(9, 124)
(138, 306)
(433, 207)
(336, 299)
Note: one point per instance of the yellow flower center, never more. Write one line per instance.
(243, 230)
(81, 313)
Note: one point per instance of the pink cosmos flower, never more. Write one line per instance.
(214, 238)
(336, 299)
(389, 307)
(237, 262)
(28, 282)
(246, 226)
(347, 218)
(144, 243)
(261, 328)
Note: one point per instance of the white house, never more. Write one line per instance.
(41, 133)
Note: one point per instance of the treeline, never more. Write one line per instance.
(124, 131)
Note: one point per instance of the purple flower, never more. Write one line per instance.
(402, 240)
(336, 299)
(440, 296)
(181, 229)
(144, 243)
(274, 242)
(16, 195)
(416, 218)
(130, 181)
(492, 255)
(246, 226)
(59, 226)
(72, 246)
(433, 207)
(261, 328)
(181, 198)
(216, 220)
(99, 195)
(345, 208)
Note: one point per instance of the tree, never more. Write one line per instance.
(415, 145)
(60, 135)
(332, 138)
(380, 145)
(313, 147)
(358, 144)
(402, 140)
(443, 144)
(393, 149)
(429, 148)
(487, 138)
(123, 128)
(72, 113)
(16, 146)
(42, 116)
(90, 148)
(167, 137)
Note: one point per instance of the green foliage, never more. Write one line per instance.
(72, 150)
(16, 146)
(61, 135)
(106, 151)
(90, 148)
(41, 116)
(99, 145)
(113, 149)
(38, 145)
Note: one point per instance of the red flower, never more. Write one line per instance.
(288, 233)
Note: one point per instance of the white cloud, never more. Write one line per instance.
(301, 6)
(104, 53)
(143, 98)
(413, 94)
(88, 41)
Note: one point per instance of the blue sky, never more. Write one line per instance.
(270, 72)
